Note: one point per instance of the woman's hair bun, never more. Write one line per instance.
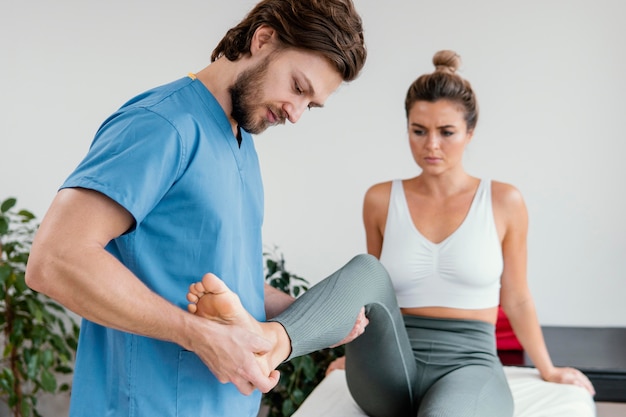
(447, 61)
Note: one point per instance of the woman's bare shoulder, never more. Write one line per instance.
(508, 204)
(377, 200)
(379, 189)
(506, 194)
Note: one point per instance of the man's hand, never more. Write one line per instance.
(235, 354)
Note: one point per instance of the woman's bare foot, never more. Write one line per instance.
(212, 299)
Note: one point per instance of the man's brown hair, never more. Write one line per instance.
(332, 28)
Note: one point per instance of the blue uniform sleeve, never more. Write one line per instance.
(134, 159)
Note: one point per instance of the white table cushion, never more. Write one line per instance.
(533, 397)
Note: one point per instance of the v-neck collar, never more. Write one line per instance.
(215, 110)
(455, 231)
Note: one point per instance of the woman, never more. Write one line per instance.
(455, 248)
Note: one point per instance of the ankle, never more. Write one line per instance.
(282, 347)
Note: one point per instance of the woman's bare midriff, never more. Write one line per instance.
(488, 315)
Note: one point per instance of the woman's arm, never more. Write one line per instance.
(375, 207)
(515, 297)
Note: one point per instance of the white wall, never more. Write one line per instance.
(549, 76)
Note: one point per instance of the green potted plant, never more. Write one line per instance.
(38, 337)
(299, 376)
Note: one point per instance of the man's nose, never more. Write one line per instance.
(295, 110)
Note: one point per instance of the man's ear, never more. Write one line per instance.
(264, 38)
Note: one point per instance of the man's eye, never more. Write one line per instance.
(418, 132)
(298, 89)
(447, 133)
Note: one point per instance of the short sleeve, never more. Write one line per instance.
(134, 159)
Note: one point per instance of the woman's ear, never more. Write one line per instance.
(264, 38)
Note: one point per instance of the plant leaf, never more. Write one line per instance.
(48, 381)
(8, 204)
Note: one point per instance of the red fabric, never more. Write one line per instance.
(505, 338)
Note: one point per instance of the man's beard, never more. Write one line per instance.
(246, 96)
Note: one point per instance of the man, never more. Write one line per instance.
(171, 190)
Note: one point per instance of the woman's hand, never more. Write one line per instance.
(572, 376)
(358, 329)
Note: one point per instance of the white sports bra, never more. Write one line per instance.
(463, 271)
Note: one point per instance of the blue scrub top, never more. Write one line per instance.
(170, 158)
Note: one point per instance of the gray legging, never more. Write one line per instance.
(437, 366)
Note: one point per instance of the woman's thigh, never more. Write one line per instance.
(469, 391)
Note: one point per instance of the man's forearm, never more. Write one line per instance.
(276, 301)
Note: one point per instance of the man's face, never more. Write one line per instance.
(245, 94)
(280, 87)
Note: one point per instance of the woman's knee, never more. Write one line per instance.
(369, 266)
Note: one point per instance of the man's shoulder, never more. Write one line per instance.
(159, 95)
(183, 104)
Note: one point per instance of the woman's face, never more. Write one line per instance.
(438, 135)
